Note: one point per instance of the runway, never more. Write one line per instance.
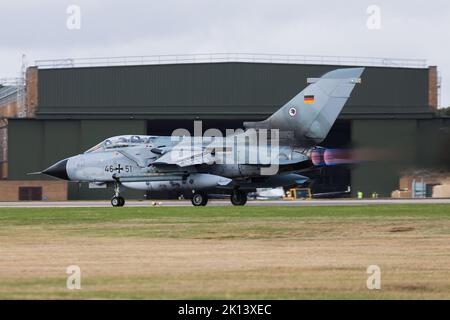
(183, 203)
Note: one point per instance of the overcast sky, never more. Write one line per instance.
(409, 29)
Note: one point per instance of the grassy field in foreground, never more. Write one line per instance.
(226, 252)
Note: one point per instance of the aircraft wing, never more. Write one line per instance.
(186, 158)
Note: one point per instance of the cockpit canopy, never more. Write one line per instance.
(121, 142)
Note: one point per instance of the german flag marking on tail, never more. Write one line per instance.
(308, 99)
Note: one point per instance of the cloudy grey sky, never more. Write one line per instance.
(409, 29)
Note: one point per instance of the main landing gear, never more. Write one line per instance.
(238, 197)
(199, 199)
(117, 200)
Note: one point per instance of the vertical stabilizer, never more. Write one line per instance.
(309, 116)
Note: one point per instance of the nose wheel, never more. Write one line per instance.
(117, 201)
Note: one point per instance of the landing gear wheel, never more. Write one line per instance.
(238, 198)
(199, 199)
(117, 201)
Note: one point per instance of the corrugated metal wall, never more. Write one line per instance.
(216, 90)
(393, 148)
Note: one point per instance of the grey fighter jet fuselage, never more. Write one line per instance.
(267, 154)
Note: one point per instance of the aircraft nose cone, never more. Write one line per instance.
(58, 170)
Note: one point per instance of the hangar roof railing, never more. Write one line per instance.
(12, 82)
(230, 57)
(9, 89)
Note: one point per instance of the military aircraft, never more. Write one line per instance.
(234, 163)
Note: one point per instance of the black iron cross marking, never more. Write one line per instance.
(119, 168)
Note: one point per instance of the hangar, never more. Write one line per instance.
(70, 105)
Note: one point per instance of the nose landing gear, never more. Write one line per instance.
(117, 200)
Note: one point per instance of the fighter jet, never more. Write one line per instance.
(266, 154)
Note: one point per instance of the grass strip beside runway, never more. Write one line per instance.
(226, 252)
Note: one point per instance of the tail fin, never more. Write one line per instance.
(309, 116)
